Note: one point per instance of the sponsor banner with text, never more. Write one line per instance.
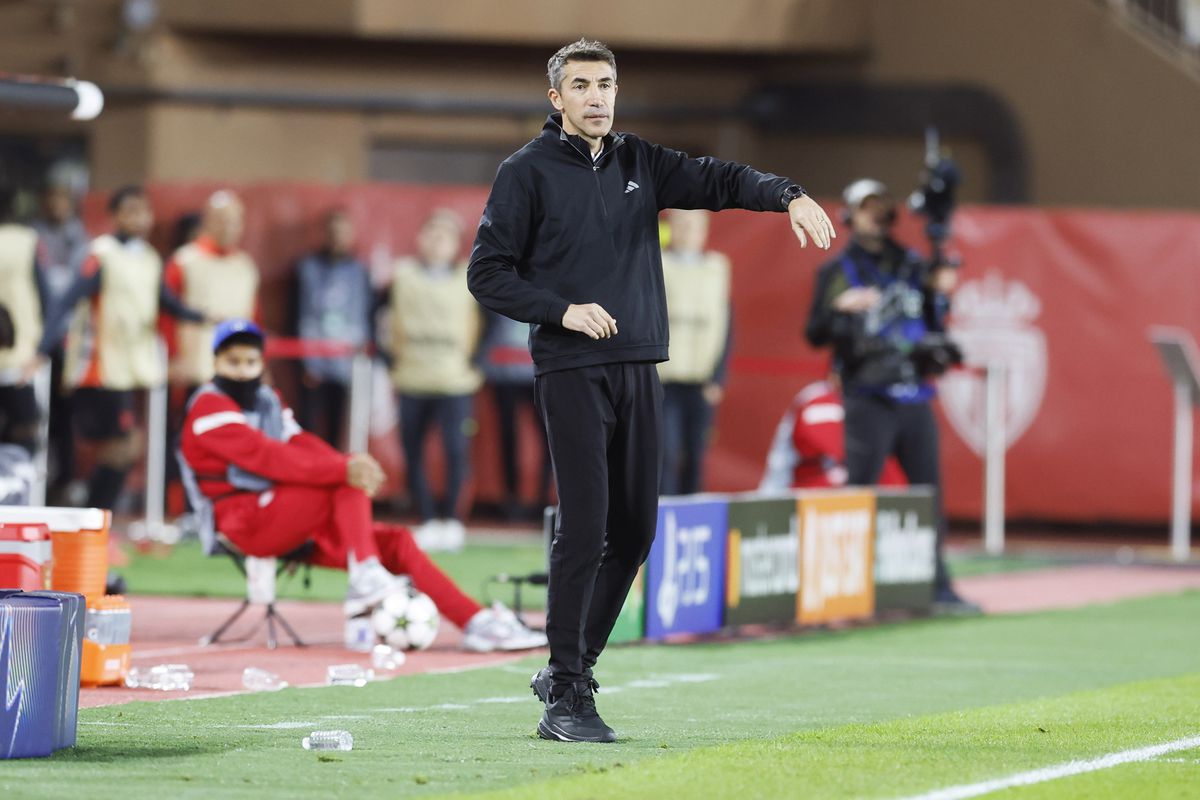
(763, 561)
(685, 574)
(905, 556)
(836, 547)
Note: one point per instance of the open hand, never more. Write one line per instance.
(809, 220)
(852, 301)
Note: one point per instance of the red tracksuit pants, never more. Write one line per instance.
(339, 522)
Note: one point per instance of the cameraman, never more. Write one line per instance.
(882, 308)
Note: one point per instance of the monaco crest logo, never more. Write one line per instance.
(994, 324)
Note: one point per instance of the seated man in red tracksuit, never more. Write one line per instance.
(809, 448)
(274, 487)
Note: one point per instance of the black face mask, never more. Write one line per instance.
(244, 393)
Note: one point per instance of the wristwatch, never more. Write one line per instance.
(790, 193)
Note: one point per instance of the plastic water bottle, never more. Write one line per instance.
(328, 740)
(259, 680)
(384, 657)
(163, 678)
(348, 675)
(360, 636)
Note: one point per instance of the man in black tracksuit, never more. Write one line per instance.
(568, 241)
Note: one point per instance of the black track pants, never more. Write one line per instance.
(604, 429)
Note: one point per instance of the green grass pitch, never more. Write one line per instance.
(886, 712)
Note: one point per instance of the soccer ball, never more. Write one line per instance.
(406, 620)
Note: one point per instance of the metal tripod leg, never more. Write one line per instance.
(215, 636)
(272, 643)
(273, 614)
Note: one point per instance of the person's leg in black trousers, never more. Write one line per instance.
(917, 452)
(870, 431)
(62, 434)
(335, 411)
(321, 408)
(632, 502)
(508, 395)
(416, 415)
(603, 424)
(697, 425)
(309, 410)
(543, 495)
(21, 416)
(453, 413)
(580, 418)
(674, 412)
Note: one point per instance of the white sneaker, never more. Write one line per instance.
(369, 584)
(429, 535)
(497, 628)
(454, 535)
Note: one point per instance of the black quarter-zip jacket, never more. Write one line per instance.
(561, 228)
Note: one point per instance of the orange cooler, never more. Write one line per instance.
(25, 556)
(106, 652)
(79, 538)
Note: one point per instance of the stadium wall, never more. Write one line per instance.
(310, 90)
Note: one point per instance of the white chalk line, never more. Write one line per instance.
(648, 683)
(1065, 770)
(642, 683)
(493, 661)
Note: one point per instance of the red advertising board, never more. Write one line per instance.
(1064, 298)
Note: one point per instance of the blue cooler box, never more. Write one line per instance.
(74, 614)
(41, 639)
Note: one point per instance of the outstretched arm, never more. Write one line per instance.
(683, 182)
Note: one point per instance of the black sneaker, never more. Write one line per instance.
(947, 602)
(542, 681)
(572, 717)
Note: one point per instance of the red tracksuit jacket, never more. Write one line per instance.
(215, 435)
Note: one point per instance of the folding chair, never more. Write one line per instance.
(261, 574)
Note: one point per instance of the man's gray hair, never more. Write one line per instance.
(582, 50)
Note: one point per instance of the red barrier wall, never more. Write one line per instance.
(1063, 297)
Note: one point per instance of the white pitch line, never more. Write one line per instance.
(652, 683)
(1059, 771)
(495, 662)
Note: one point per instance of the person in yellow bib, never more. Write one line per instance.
(435, 332)
(113, 348)
(214, 275)
(698, 310)
(25, 296)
